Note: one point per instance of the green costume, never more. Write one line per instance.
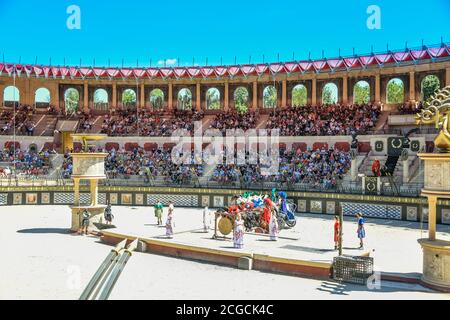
(158, 210)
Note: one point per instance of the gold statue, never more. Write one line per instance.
(437, 111)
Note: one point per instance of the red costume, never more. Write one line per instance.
(267, 210)
(376, 168)
(336, 230)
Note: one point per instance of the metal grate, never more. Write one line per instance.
(353, 269)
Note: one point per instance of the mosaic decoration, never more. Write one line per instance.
(445, 216)
(17, 198)
(316, 206)
(217, 201)
(205, 201)
(101, 198)
(3, 198)
(45, 198)
(113, 198)
(180, 200)
(331, 207)
(411, 213)
(139, 199)
(229, 199)
(31, 198)
(379, 146)
(68, 198)
(373, 210)
(301, 205)
(126, 198)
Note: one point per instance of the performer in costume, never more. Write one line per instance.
(108, 214)
(284, 207)
(238, 232)
(273, 227)
(337, 227)
(267, 211)
(361, 231)
(170, 224)
(158, 212)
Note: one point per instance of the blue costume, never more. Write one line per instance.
(361, 231)
(284, 208)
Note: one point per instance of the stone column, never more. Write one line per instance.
(170, 101)
(447, 77)
(93, 185)
(198, 93)
(255, 95)
(354, 170)
(345, 90)
(226, 103)
(114, 95)
(283, 93)
(405, 171)
(142, 103)
(2, 88)
(377, 89)
(314, 92)
(412, 87)
(432, 201)
(76, 192)
(86, 97)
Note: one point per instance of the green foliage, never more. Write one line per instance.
(270, 97)
(329, 94)
(71, 98)
(129, 96)
(184, 99)
(361, 92)
(395, 91)
(213, 99)
(299, 96)
(241, 99)
(157, 98)
(430, 85)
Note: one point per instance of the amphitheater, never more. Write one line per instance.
(44, 105)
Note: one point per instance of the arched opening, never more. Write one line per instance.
(33, 148)
(270, 97)
(241, 99)
(71, 100)
(129, 99)
(395, 91)
(11, 96)
(361, 92)
(101, 100)
(430, 84)
(157, 99)
(184, 101)
(330, 93)
(42, 97)
(213, 99)
(299, 96)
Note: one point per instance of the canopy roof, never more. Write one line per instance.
(322, 65)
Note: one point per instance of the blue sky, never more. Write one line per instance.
(177, 31)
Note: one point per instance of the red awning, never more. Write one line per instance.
(261, 69)
(306, 66)
(206, 71)
(193, 72)
(352, 62)
(335, 63)
(234, 70)
(220, 71)
(291, 67)
(166, 72)
(247, 69)
(276, 68)
(179, 72)
(112, 73)
(152, 72)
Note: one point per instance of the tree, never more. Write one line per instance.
(71, 97)
(270, 97)
(329, 94)
(361, 92)
(157, 98)
(184, 99)
(430, 85)
(395, 91)
(241, 100)
(299, 96)
(129, 96)
(213, 99)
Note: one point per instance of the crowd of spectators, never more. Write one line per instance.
(315, 168)
(21, 119)
(235, 120)
(324, 120)
(410, 108)
(30, 162)
(149, 123)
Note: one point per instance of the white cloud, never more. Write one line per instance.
(168, 62)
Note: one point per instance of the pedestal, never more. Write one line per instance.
(436, 253)
(436, 264)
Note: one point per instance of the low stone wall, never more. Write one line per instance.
(394, 208)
